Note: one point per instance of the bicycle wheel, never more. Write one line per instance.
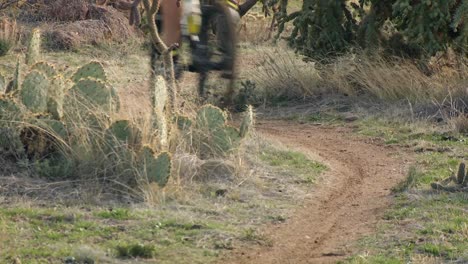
(216, 49)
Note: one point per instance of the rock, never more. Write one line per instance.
(350, 118)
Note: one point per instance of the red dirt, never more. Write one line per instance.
(345, 205)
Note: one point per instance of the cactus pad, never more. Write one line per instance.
(126, 132)
(42, 137)
(34, 47)
(183, 122)
(93, 69)
(160, 94)
(3, 84)
(247, 122)
(461, 175)
(225, 140)
(34, 92)
(210, 117)
(10, 143)
(55, 96)
(45, 68)
(96, 92)
(14, 84)
(156, 169)
(54, 128)
(8, 108)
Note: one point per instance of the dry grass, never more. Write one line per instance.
(282, 75)
(9, 34)
(255, 29)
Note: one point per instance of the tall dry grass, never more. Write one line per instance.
(281, 74)
(9, 34)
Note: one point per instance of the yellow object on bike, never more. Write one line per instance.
(194, 23)
(232, 5)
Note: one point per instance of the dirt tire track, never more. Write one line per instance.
(345, 205)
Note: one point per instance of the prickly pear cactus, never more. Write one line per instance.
(183, 123)
(247, 122)
(42, 137)
(225, 140)
(212, 137)
(97, 93)
(34, 47)
(460, 181)
(160, 94)
(46, 68)
(93, 69)
(55, 97)
(54, 128)
(157, 169)
(34, 92)
(3, 84)
(10, 143)
(15, 83)
(9, 109)
(125, 132)
(461, 175)
(210, 117)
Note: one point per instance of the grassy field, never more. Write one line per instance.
(192, 225)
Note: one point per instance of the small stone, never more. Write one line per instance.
(351, 118)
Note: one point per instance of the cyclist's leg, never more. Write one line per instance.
(171, 14)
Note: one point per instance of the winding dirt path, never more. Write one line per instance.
(346, 204)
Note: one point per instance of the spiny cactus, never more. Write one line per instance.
(210, 117)
(3, 84)
(14, 85)
(52, 127)
(460, 180)
(42, 137)
(93, 69)
(160, 94)
(98, 93)
(10, 143)
(55, 97)
(211, 135)
(126, 132)
(183, 122)
(225, 139)
(247, 122)
(34, 92)
(159, 103)
(34, 47)
(157, 169)
(45, 68)
(9, 109)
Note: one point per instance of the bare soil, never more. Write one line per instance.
(345, 205)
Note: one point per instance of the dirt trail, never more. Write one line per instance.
(345, 205)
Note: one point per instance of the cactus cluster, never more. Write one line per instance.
(54, 110)
(212, 136)
(454, 183)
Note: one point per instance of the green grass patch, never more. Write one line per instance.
(294, 162)
(117, 214)
(135, 250)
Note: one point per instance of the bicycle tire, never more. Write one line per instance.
(216, 22)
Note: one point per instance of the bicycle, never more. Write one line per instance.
(212, 45)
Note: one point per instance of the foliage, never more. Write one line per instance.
(330, 27)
